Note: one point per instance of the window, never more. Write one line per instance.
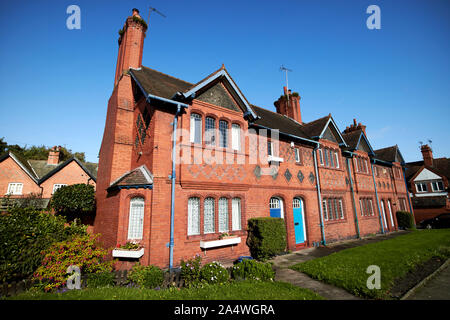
(269, 148)
(333, 209)
(297, 155)
(193, 216)
(236, 136)
(223, 214)
(236, 214)
(366, 205)
(208, 217)
(196, 128)
(210, 131)
(337, 159)
(56, 186)
(325, 210)
(223, 131)
(437, 186)
(321, 156)
(15, 188)
(375, 171)
(326, 157)
(136, 219)
(331, 159)
(421, 187)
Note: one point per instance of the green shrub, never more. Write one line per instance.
(252, 270)
(74, 201)
(266, 237)
(100, 280)
(24, 234)
(405, 220)
(190, 270)
(146, 276)
(82, 251)
(214, 273)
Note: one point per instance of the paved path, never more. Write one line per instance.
(437, 288)
(283, 273)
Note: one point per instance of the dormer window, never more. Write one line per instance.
(421, 187)
(437, 186)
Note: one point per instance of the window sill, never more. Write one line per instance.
(124, 253)
(219, 243)
(274, 159)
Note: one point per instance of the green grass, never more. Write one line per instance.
(395, 257)
(238, 290)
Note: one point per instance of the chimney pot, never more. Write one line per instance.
(427, 155)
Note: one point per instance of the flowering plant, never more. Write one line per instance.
(190, 270)
(130, 245)
(214, 273)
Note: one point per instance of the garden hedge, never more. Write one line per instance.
(405, 220)
(266, 237)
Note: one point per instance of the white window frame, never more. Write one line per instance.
(421, 189)
(210, 132)
(196, 119)
(321, 157)
(193, 216)
(15, 188)
(136, 219)
(235, 136)
(56, 186)
(433, 183)
(236, 214)
(209, 209)
(223, 215)
(297, 155)
(337, 159)
(325, 209)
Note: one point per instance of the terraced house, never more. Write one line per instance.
(230, 161)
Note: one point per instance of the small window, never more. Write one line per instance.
(269, 148)
(236, 214)
(297, 155)
(210, 131)
(326, 157)
(223, 131)
(321, 157)
(15, 188)
(223, 214)
(208, 217)
(136, 219)
(337, 159)
(56, 186)
(325, 210)
(331, 159)
(193, 216)
(196, 128)
(421, 187)
(437, 186)
(236, 137)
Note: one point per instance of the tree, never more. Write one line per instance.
(74, 201)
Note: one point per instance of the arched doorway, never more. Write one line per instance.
(299, 220)
(276, 207)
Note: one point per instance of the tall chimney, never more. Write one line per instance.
(53, 156)
(427, 155)
(289, 105)
(131, 44)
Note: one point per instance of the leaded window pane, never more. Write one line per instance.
(210, 131)
(325, 210)
(236, 137)
(223, 130)
(193, 216)
(223, 214)
(236, 214)
(136, 219)
(209, 213)
(196, 128)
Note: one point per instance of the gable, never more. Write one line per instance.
(328, 135)
(219, 96)
(331, 133)
(364, 146)
(426, 174)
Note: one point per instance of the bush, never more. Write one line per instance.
(252, 270)
(266, 237)
(146, 276)
(405, 220)
(214, 273)
(24, 234)
(190, 270)
(74, 201)
(81, 251)
(100, 280)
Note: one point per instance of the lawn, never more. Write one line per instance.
(394, 257)
(237, 290)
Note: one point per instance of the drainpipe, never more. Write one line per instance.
(378, 202)
(407, 193)
(172, 177)
(353, 198)
(319, 197)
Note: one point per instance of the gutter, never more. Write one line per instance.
(286, 134)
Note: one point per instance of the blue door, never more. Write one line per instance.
(275, 208)
(298, 221)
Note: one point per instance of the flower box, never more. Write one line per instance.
(220, 243)
(124, 253)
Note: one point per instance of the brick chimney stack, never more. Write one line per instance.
(53, 155)
(355, 126)
(289, 107)
(131, 44)
(427, 155)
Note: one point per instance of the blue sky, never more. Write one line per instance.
(56, 82)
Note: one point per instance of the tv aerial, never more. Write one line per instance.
(286, 70)
(157, 11)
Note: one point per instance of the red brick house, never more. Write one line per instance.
(230, 161)
(428, 182)
(21, 178)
